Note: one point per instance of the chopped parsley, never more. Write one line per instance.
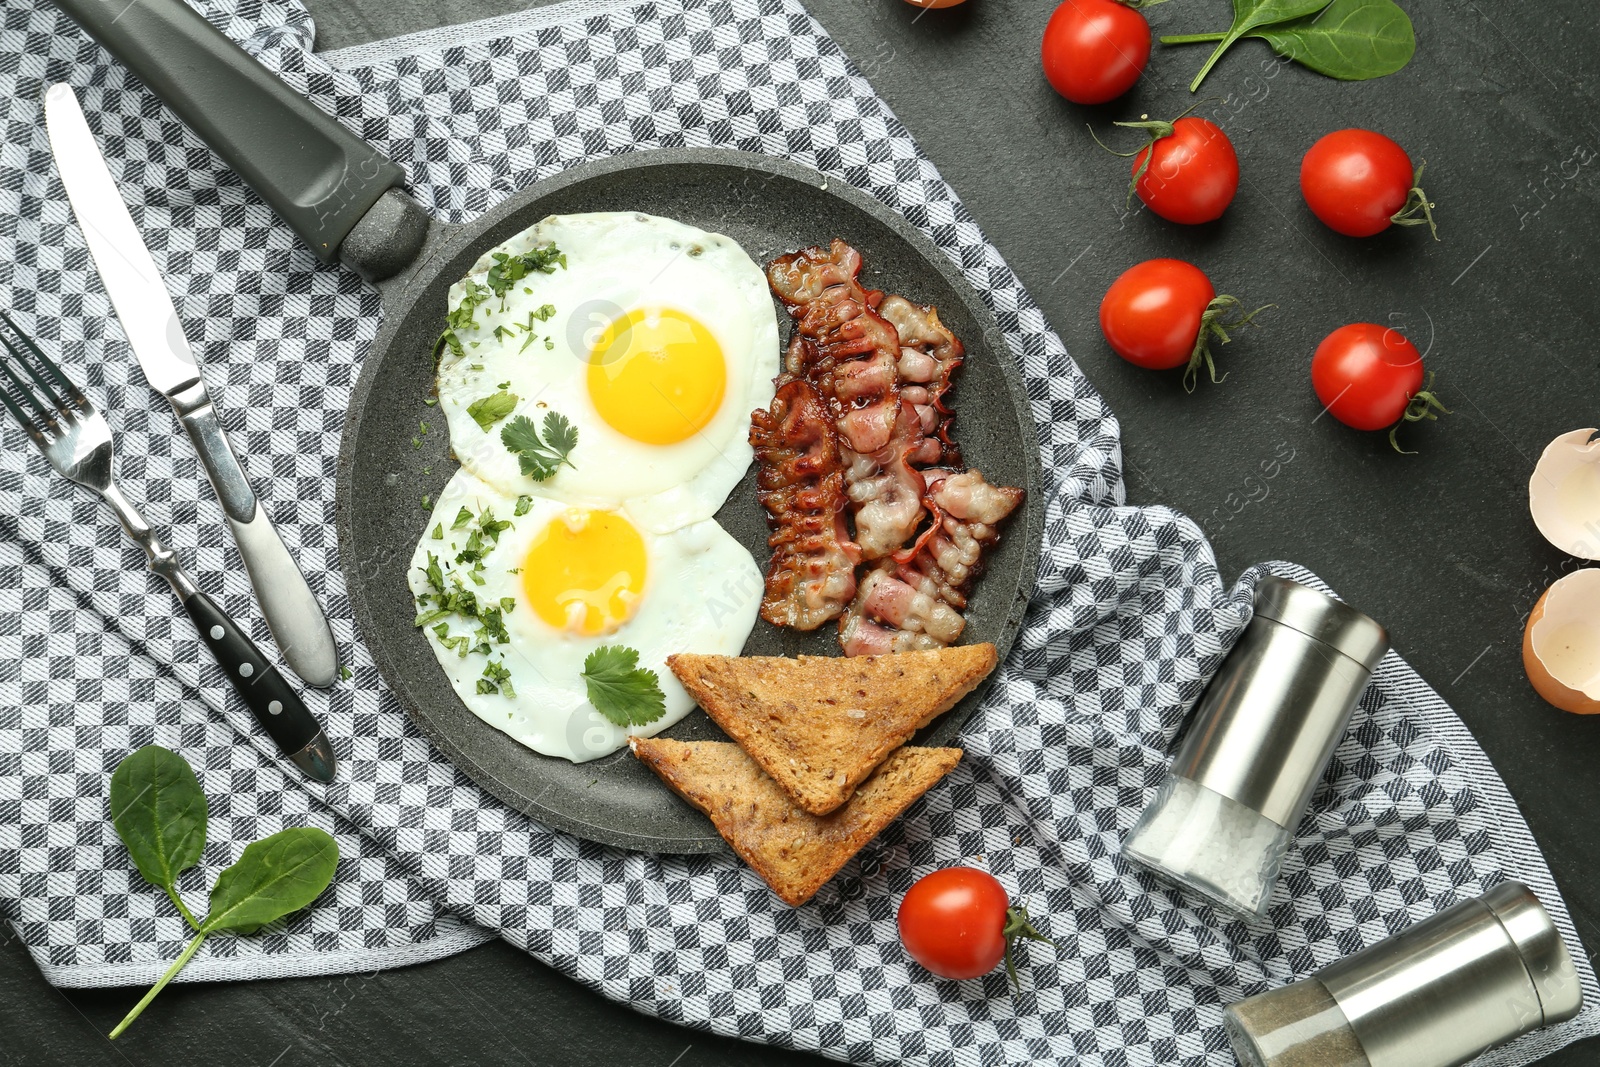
(508, 270)
(496, 679)
(438, 532)
(488, 410)
(524, 502)
(539, 459)
(460, 319)
(463, 517)
(620, 689)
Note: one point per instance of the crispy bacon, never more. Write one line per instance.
(801, 485)
(914, 599)
(929, 357)
(851, 354)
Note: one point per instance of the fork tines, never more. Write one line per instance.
(38, 407)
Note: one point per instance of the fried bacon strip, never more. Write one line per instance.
(915, 599)
(929, 357)
(800, 483)
(852, 355)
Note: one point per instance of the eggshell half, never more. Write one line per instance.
(1561, 645)
(1564, 494)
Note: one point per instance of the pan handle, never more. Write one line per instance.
(320, 179)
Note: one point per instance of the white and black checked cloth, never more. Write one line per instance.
(1131, 615)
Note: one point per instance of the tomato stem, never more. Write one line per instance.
(1155, 129)
(1019, 925)
(1422, 405)
(1416, 201)
(1213, 325)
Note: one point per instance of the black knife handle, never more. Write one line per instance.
(319, 177)
(270, 698)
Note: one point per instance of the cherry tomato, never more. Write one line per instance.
(1366, 375)
(1358, 182)
(1151, 314)
(1193, 172)
(1094, 50)
(1163, 313)
(958, 924)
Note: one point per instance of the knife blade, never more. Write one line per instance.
(156, 335)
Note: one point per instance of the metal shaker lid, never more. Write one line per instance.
(1322, 618)
(1271, 718)
(1543, 952)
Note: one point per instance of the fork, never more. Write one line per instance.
(74, 437)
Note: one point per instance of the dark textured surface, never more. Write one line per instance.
(770, 208)
(1437, 546)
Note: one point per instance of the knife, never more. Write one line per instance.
(156, 336)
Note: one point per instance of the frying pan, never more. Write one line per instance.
(346, 200)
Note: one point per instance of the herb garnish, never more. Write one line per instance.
(496, 679)
(508, 270)
(159, 812)
(621, 690)
(488, 410)
(1352, 40)
(538, 459)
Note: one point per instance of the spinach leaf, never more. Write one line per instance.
(159, 811)
(1250, 15)
(273, 877)
(1351, 39)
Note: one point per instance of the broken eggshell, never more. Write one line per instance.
(1561, 645)
(1564, 494)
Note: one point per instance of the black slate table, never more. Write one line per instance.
(1501, 101)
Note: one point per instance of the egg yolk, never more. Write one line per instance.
(657, 375)
(584, 572)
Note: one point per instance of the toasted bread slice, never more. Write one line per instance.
(820, 724)
(794, 852)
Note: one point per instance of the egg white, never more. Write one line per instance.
(701, 594)
(616, 262)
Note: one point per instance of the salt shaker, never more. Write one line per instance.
(1437, 994)
(1257, 746)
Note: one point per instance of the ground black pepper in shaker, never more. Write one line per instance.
(1437, 994)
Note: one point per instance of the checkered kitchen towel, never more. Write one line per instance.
(1131, 615)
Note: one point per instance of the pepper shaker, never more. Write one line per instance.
(1257, 745)
(1437, 994)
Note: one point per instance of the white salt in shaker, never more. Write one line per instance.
(1257, 746)
(1437, 994)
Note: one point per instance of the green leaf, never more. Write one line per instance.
(159, 811)
(620, 689)
(488, 410)
(272, 878)
(1249, 15)
(539, 459)
(524, 502)
(1352, 40)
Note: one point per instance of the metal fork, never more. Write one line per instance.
(75, 438)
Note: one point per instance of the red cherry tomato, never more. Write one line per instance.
(958, 924)
(1358, 182)
(1193, 172)
(1151, 314)
(1366, 375)
(1094, 50)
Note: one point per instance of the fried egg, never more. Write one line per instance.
(513, 594)
(652, 340)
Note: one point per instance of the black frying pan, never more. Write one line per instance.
(345, 199)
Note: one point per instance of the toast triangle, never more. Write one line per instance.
(794, 852)
(819, 725)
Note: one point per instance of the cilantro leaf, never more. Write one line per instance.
(488, 410)
(620, 689)
(463, 517)
(524, 502)
(539, 459)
